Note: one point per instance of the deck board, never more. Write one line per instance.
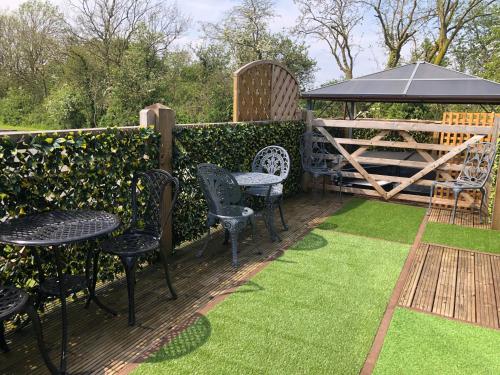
(462, 218)
(459, 284)
(100, 343)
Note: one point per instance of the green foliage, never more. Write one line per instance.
(233, 147)
(14, 106)
(64, 108)
(74, 171)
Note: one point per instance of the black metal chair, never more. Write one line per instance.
(224, 199)
(145, 231)
(274, 160)
(16, 301)
(315, 159)
(474, 175)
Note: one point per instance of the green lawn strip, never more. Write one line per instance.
(392, 222)
(314, 310)
(422, 344)
(464, 237)
(5, 127)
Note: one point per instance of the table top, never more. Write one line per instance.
(256, 179)
(57, 227)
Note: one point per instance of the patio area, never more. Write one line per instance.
(100, 343)
(439, 280)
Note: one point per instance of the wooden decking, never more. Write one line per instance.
(463, 218)
(455, 283)
(102, 344)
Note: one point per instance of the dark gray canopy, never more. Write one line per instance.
(413, 83)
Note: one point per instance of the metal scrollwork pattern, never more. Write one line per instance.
(273, 160)
(478, 164)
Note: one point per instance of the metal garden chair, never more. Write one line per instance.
(315, 159)
(274, 160)
(224, 199)
(146, 228)
(16, 301)
(474, 175)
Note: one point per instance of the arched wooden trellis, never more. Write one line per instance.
(265, 90)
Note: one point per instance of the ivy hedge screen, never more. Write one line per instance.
(94, 171)
(233, 147)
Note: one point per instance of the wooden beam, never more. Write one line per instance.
(165, 122)
(354, 163)
(423, 199)
(391, 144)
(496, 206)
(405, 163)
(382, 177)
(407, 126)
(443, 159)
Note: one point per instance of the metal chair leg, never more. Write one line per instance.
(483, 193)
(456, 193)
(280, 207)
(234, 247)
(37, 327)
(3, 343)
(430, 199)
(226, 237)
(205, 245)
(129, 265)
(167, 275)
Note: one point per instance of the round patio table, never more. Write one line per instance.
(266, 180)
(53, 231)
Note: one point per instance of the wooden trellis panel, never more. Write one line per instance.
(265, 90)
(453, 139)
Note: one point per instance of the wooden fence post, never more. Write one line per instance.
(164, 124)
(308, 117)
(495, 215)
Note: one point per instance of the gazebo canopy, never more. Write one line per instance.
(419, 82)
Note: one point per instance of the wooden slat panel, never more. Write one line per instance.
(426, 288)
(399, 125)
(391, 144)
(487, 314)
(465, 302)
(444, 302)
(410, 286)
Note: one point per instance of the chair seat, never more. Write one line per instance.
(12, 300)
(234, 212)
(262, 191)
(131, 243)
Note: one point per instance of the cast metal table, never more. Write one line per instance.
(52, 231)
(258, 179)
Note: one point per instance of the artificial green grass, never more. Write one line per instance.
(465, 237)
(424, 344)
(315, 310)
(393, 222)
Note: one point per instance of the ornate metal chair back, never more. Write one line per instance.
(274, 160)
(313, 152)
(478, 163)
(219, 187)
(150, 187)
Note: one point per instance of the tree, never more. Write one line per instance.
(30, 44)
(477, 50)
(245, 35)
(399, 21)
(333, 22)
(451, 16)
(244, 29)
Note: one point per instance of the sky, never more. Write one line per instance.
(370, 57)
